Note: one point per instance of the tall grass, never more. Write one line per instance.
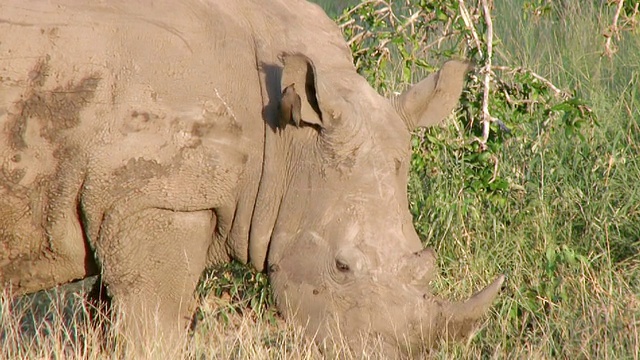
(568, 235)
(54, 325)
(59, 325)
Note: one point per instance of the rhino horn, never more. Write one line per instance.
(462, 316)
(434, 319)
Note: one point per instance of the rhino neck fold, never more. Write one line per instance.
(268, 200)
(280, 149)
(284, 150)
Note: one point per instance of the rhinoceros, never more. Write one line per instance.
(146, 140)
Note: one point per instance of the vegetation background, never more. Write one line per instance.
(549, 195)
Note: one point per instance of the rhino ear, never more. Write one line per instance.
(299, 100)
(428, 102)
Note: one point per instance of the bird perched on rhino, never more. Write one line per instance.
(290, 106)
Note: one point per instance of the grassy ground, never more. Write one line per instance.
(568, 234)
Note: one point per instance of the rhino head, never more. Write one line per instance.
(339, 242)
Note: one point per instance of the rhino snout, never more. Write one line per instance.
(419, 268)
(437, 319)
(430, 319)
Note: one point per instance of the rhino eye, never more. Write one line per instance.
(342, 266)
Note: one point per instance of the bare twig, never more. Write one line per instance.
(357, 38)
(469, 24)
(392, 17)
(549, 84)
(486, 116)
(444, 36)
(347, 23)
(410, 21)
(357, 7)
(517, 102)
(613, 30)
(495, 160)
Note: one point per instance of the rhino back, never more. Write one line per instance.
(107, 106)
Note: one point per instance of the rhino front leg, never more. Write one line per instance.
(151, 263)
(42, 243)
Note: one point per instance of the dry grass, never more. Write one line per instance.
(53, 325)
(599, 319)
(59, 325)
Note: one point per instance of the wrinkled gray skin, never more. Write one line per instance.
(145, 141)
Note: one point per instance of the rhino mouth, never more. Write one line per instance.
(432, 319)
(436, 319)
(413, 330)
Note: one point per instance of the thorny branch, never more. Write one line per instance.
(487, 119)
(401, 24)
